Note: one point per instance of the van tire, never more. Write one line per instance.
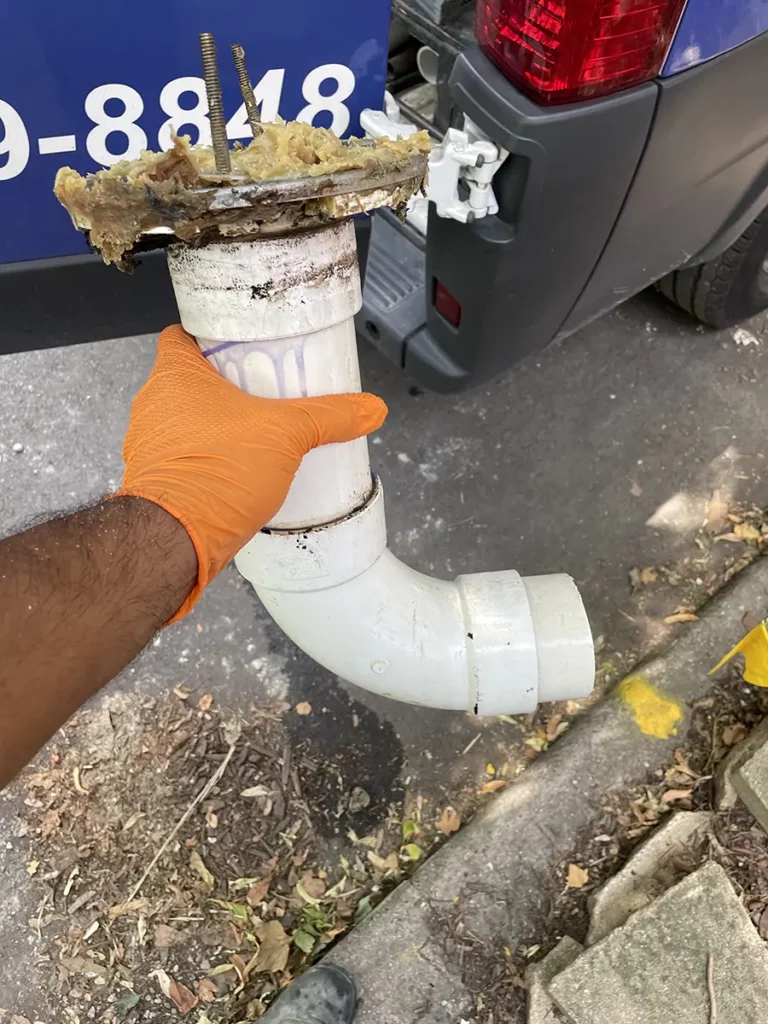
(730, 288)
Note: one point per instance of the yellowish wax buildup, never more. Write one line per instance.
(118, 205)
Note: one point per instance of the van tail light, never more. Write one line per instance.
(446, 305)
(560, 51)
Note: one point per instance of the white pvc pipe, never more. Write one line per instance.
(275, 316)
(427, 61)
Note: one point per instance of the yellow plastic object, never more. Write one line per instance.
(754, 647)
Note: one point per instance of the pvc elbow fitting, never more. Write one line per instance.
(488, 643)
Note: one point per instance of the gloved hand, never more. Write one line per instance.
(219, 460)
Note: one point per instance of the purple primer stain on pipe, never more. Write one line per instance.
(229, 356)
(208, 352)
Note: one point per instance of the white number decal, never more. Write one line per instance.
(345, 85)
(14, 140)
(179, 117)
(268, 92)
(124, 123)
(14, 143)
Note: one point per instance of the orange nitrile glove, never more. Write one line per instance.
(219, 460)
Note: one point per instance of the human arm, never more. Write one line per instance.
(206, 467)
(80, 596)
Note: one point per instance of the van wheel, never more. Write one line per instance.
(730, 288)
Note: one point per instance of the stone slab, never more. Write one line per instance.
(647, 873)
(750, 781)
(653, 969)
(541, 1009)
(726, 794)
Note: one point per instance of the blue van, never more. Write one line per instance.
(631, 140)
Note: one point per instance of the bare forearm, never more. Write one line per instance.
(80, 596)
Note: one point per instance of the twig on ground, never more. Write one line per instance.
(185, 816)
(39, 918)
(471, 744)
(711, 989)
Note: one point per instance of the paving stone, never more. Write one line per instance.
(650, 871)
(541, 1009)
(750, 781)
(726, 794)
(653, 969)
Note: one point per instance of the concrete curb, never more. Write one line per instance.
(500, 867)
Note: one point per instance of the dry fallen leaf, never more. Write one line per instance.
(383, 864)
(733, 734)
(179, 994)
(50, 822)
(197, 864)
(312, 886)
(304, 708)
(577, 877)
(206, 702)
(257, 893)
(275, 945)
(182, 997)
(493, 786)
(206, 989)
(449, 821)
(647, 575)
(717, 510)
(536, 742)
(131, 820)
(671, 796)
(747, 533)
(166, 937)
(681, 617)
(129, 907)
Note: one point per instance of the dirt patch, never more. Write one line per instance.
(154, 903)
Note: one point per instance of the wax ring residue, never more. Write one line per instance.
(177, 190)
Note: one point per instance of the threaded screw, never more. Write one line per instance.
(215, 104)
(251, 106)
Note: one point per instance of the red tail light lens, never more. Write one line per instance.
(446, 305)
(559, 51)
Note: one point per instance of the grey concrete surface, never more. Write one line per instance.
(750, 781)
(541, 1009)
(594, 457)
(496, 880)
(726, 795)
(637, 884)
(655, 967)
